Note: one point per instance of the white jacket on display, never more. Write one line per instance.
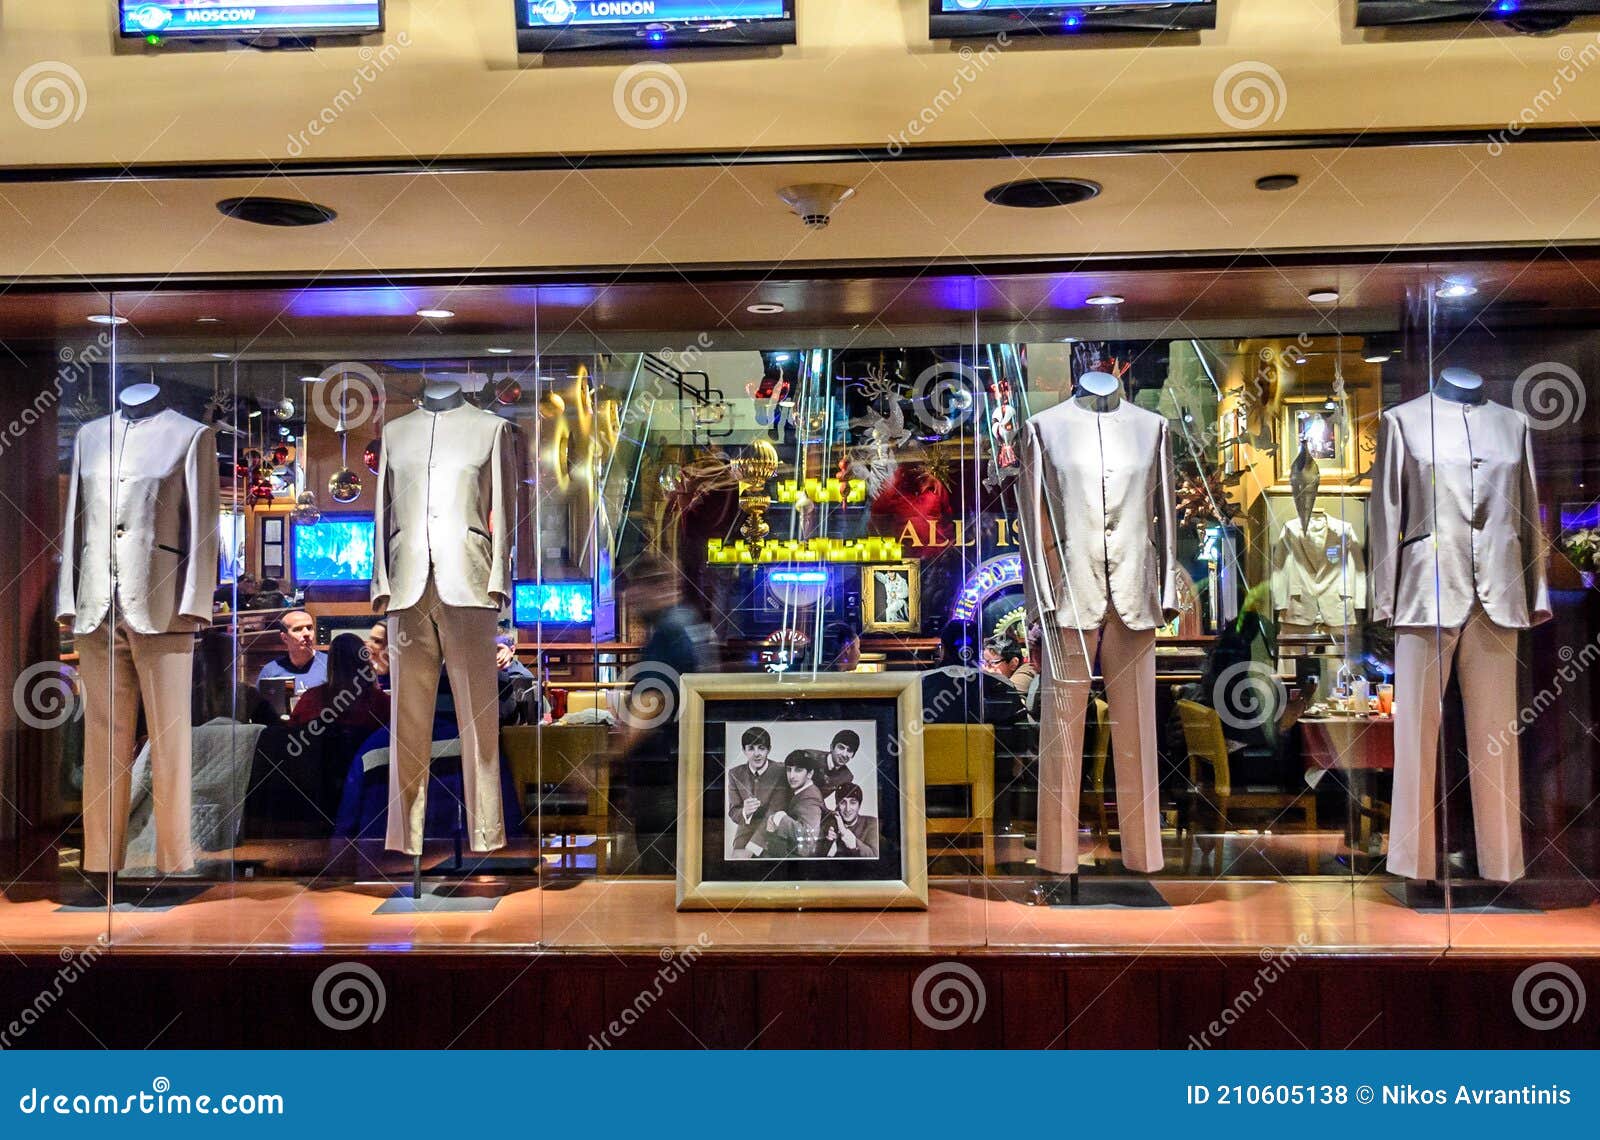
(140, 527)
(1455, 517)
(1098, 516)
(447, 491)
(1318, 572)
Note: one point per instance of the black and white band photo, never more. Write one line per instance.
(802, 790)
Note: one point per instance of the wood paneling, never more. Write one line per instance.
(790, 1001)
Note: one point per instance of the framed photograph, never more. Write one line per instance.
(801, 795)
(1323, 430)
(891, 598)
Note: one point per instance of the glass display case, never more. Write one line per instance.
(1175, 608)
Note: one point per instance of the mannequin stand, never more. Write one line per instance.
(1097, 894)
(1474, 897)
(102, 891)
(445, 896)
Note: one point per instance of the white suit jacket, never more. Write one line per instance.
(447, 490)
(1098, 516)
(1455, 517)
(141, 525)
(1318, 572)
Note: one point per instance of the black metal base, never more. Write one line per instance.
(1430, 897)
(1098, 894)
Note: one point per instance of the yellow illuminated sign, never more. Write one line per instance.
(737, 553)
(818, 491)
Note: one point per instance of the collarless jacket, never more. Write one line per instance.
(446, 494)
(1455, 517)
(1318, 572)
(1098, 516)
(141, 525)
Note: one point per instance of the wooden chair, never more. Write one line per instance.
(1208, 748)
(962, 755)
(568, 760)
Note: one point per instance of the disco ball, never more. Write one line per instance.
(305, 510)
(344, 485)
(283, 411)
(371, 454)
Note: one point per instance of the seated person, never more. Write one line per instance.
(515, 679)
(847, 833)
(268, 597)
(1005, 659)
(350, 697)
(301, 659)
(844, 642)
(755, 787)
(377, 646)
(794, 830)
(957, 692)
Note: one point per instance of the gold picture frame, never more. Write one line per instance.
(876, 614)
(897, 771)
(1336, 454)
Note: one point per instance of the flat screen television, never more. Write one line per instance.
(576, 25)
(337, 550)
(953, 19)
(1534, 15)
(553, 603)
(221, 20)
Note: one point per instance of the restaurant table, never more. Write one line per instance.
(1358, 747)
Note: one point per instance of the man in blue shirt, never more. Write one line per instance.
(301, 658)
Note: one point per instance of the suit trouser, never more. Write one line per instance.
(117, 669)
(1486, 656)
(460, 638)
(1128, 663)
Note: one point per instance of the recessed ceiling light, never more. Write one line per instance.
(311, 379)
(106, 319)
(208, 320)
(283, 212)
(435, 314)
(1105, 299)
(1455, 290)
(764, 308)
(1042, 193)
(1323, 296)
(219, 356)
(1377, 356)
(500, 352)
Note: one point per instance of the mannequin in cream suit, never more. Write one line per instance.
(138, 571)
(1319, 577)
(447, 488)
(1099, 532)
(1458, 568)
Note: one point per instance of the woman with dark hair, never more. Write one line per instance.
(350, 697)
